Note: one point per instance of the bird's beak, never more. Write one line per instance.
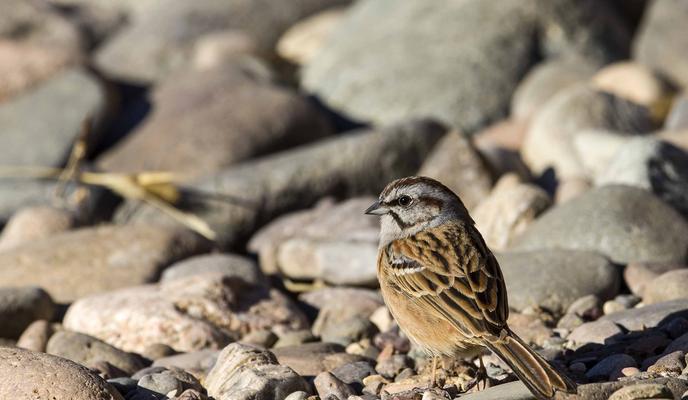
(376, 209)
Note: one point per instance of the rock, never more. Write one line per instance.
(354, 373)
(195, 362)
(678, 344)
(203, 121)
(553, 279)
(391, 366)
(642, 391)
(123, 385)
(228, 265)
(35, 223)
(508, 210)
(668, 286)
(191, 394)
(97, 259)
(632, 81)
(549, 141)
(610, 366)
(266, 338)
(295, 338)
(661, 43)
(678, 115)
(623, 223)
(222, 47)
(596, 148)
(362, 302)
(672, 363)
(457, 164)
(86, 350)
(298, 395)
(649, 316)
(328, 385)
(244, 372)
(676, 327)
(20, 306)
(169, 380)
(362, 73)
(186, 314)
(506, 391)
(529, 328)
(310, 359)
(571, 188)
(300, 43)
(35, 336)
(336, 327)
(36, 43)
(653, 165)
(309, 244)
(599, 331)
(338, 244)
(353, 164)
(39, 131)
(383, 319)
(638, 275)
(499, 146)
(158, 350)
(544, 81)
(31, 375)
(96, 20)
(588, 307)
(162, 36)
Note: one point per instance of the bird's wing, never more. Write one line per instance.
(450, 269)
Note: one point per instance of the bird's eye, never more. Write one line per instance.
(404, 201)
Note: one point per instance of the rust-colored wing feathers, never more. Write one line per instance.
(451, 270)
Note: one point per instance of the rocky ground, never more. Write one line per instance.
(246, 271)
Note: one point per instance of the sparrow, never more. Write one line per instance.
(443, 285)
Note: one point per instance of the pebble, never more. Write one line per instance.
(300, 43)
(671, 363)
(637, 274)
(20, 306)
(35, 223)
(156, 351)
(294, 338)
(642, 391)
(195, 362)
(641, 318)
(354, 373)
(168, 380)
(229, 265)
(670, 285)
(310, 359)
(390, 367)
(266, 338)
(86, 350)
(298, 395)
(595, 332)
(243, 372)
(35, 336)
(611, 366)
(326, 384)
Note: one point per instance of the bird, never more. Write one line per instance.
(443, 285)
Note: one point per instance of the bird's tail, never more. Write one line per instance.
(536, 373)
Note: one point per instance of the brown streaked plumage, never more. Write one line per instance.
(444, 286)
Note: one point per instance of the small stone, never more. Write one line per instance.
(295, 338)
(630, 371)
(336, 326)
(158, 350)
(229, 265)
(529, 328)
(35, 337)
(672, 363)
(632, 81)
(637, 274)
(612, 306)
(265, 338)
(393, 338)
(678, 115)
(310, 359)
(191, 394)
(328, 385)
(610, 366)
(508, 210)
(570, 322)
(668, 286)
(373, 384)
(20, 306)
(587, 307)
(382, 319)
(354, 373)
(642, 391)
(303, 40)
(570, 188)
(298, 395)
(197, 363)
(578, 368)
(595, 332)
(405, 373)
(162, 382)
(676, 327)
(243, 372)
(391, 366)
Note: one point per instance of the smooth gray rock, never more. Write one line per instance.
(611, 365)
(553, 279)
(229, 265)
(661, 41)
(670, 285)
(649, 316)
(623, 223)
(161, 37)
(20, 306)
(653, 165)
(238, 200)
(382, 72)
(507, 391)
(87, 350)
(203, 121)
(38, 129)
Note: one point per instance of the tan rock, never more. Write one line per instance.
(35, 223)
(97, 259)
(571, 188)
(30, 375)
(35, 337)
(457, 164)
(243, 372)
(186, 314)
(670, 285)
(303, 40)
(637, 275)
(508, 210)
(632, 81)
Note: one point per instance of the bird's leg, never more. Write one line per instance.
(482, 373)
(433, 379)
